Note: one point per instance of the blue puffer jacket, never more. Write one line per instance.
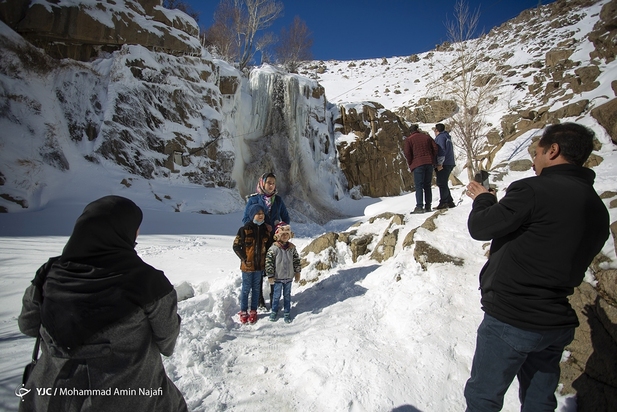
(277, 212)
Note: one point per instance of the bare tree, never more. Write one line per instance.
(234, 34)
(220, 38)
(472, 84)
(260, 14)
(294, 45)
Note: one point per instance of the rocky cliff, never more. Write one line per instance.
(81, 30)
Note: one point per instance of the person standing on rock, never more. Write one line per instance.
(545, 232)
(445, 165)
(421, 152)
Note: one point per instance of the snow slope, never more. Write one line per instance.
(366, 336)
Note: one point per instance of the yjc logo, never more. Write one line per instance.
(21, 392)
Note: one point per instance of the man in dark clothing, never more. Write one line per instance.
(545, 233)
(445, 165)
(421, 152)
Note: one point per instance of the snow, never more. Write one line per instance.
(366, 336)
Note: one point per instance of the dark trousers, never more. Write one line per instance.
(422, 177)
(504, 352)
(442, 183)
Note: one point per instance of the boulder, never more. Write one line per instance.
(428, 110)
(321, 243)
(520, 165)
(606, 115)
(604, 34)
(426, 254)
(585, 79)
(557, 57)
(571, 110)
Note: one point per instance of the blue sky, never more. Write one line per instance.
(365, 29)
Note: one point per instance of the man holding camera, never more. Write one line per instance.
(545, 232)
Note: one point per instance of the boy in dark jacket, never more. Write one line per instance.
(251, 245)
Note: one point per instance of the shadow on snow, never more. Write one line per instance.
(334, 289)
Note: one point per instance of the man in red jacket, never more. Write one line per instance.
(545, 232)
(421, 152)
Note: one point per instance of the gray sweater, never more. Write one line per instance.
(282, 262)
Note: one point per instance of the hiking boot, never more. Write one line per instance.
(253, 316)
(287, 317)
(273, 317)
(244, 317)
(442, 206)
(451, 204)
(418, 210)
(428, 210)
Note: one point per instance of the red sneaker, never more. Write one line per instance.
(244, 317)
(253, 317)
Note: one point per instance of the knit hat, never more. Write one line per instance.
(254, 209)
(281, 228)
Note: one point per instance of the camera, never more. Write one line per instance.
(482, 178)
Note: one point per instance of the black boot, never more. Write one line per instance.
(262, 302)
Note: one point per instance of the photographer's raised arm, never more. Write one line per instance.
(490, 219)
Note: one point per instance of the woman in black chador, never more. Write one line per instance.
(104, 319)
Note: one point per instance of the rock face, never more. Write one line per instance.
(604, 34)
(606, 115)
(82, 30)
(591, 369)
(429, 110)
(373, 158)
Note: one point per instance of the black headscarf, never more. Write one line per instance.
(98, 279)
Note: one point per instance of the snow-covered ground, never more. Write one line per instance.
(366, 336)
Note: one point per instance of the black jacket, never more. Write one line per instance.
(545, 232)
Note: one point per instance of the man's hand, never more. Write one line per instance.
(439, 168)
(474, 189)
(271, 280)
(297, 277)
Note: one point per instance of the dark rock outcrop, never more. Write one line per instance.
(374, 160)
(606, 115)
(79, 32)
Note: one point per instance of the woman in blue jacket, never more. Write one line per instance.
(268, 198)
(275, 210)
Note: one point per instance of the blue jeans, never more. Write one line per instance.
(442, 183)
(251, 283)
(503, 352)
(422, 177)
(286, 289)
